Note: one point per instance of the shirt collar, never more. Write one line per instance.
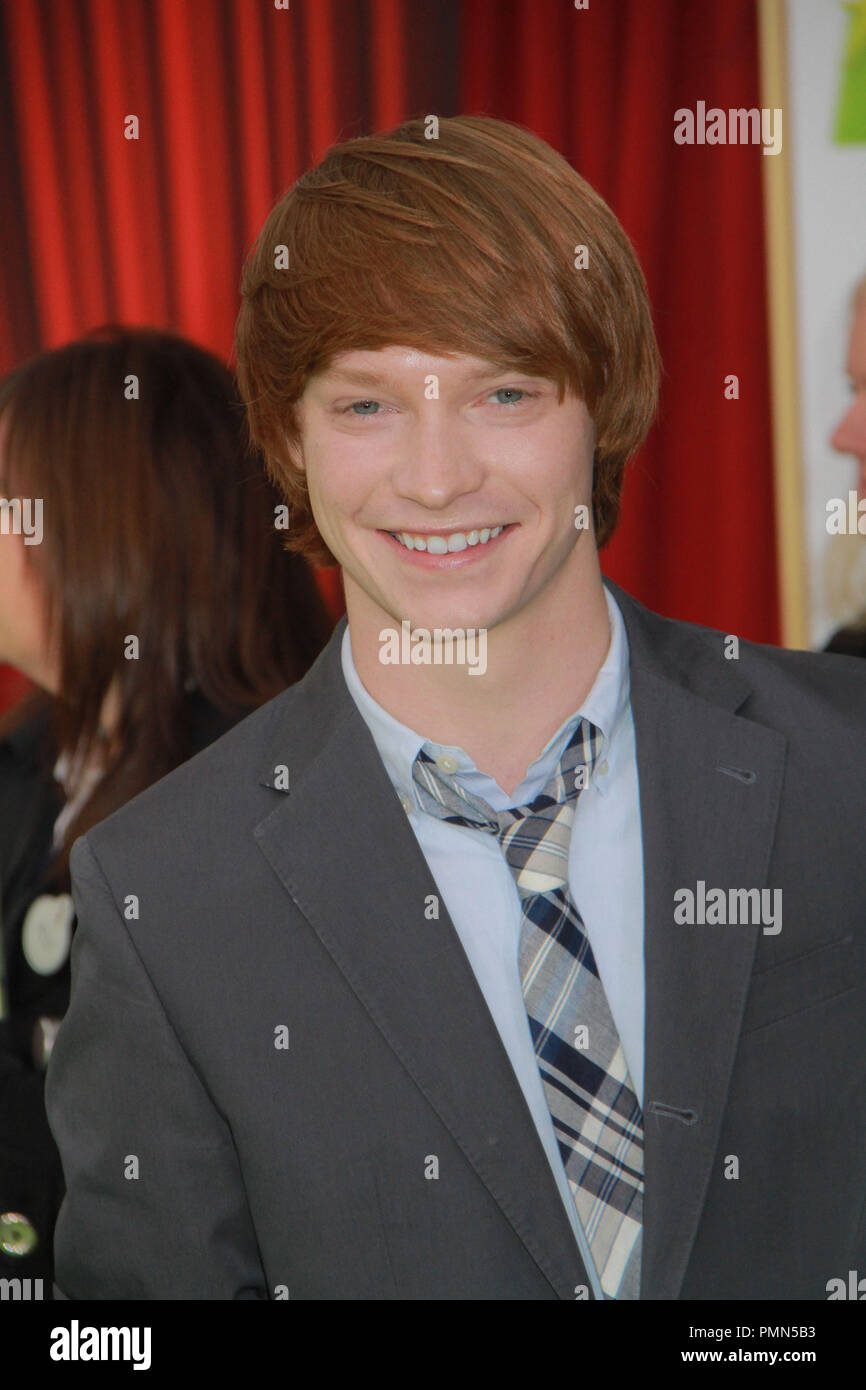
(605, 706)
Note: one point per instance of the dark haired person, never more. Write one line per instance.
(146, 593)
(463, 1026)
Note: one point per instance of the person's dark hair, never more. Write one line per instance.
(159, 524)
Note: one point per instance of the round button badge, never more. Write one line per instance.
(47, 932)
(17, 1236)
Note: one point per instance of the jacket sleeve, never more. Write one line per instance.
(155, 1206)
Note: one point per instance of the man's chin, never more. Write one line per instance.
(387, 607)
(431, 616)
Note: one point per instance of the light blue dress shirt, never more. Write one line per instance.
(480, 895)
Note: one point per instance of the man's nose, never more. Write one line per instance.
(437, 464)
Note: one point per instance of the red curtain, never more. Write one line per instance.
(696, 538)
(234, 98)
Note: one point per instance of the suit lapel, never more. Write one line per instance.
(698, 822)
(364, 888)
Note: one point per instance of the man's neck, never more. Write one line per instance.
(540, 669)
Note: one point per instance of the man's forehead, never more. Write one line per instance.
(381, 363)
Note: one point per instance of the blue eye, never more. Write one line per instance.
(515, 391)
(368, 414)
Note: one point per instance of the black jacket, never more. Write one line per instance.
(31, 1177)
(283, 1038)
(848, 641)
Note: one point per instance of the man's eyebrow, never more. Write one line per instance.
(368, 378)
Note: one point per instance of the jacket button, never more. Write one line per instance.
(17, 1236)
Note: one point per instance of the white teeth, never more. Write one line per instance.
(443, 545)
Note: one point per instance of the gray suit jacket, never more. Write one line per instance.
(206, 1159)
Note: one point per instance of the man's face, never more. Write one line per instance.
(383, 454)
(849, 436)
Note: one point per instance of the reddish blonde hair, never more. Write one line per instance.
(462, 243)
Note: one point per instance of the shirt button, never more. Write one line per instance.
(406, 804)
(446, 763)
(603, 768)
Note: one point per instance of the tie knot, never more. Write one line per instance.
(535, 837)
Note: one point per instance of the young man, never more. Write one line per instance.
(520, 960)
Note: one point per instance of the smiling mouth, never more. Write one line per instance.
(449, 542)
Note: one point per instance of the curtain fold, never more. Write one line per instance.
(696, 539)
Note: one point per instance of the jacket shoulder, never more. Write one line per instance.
(812, 683)
(204, 796)
(796, 685)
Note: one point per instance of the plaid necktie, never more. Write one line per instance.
(596, 1114)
